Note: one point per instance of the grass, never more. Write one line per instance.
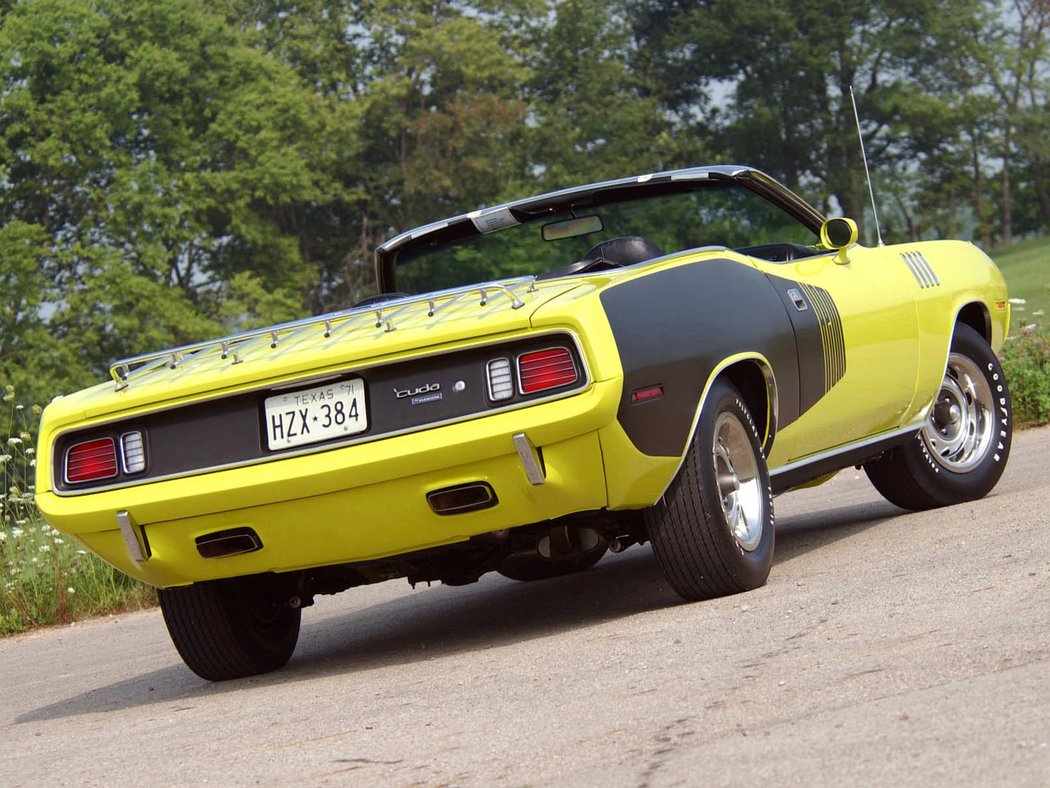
(45, 576)
(1026, 354)
(1026, 266)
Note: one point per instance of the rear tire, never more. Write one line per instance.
(712, 532)
(228, 629)
(961, 451)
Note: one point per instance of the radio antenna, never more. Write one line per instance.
(867, 172)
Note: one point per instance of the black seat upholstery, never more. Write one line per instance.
(625, 250)
(779, 253)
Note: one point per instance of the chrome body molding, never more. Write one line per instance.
(783, 477)
(921, 269)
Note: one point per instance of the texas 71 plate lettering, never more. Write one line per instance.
(317, 414)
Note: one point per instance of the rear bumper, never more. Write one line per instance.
(354, 503)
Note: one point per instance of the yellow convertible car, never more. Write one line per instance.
(649, 359)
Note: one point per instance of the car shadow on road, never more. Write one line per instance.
(440, 621)
(799, 534)
(429, 623)
(445, 621)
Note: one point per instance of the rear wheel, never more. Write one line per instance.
(961, 450)
(228, 629)
(712, 531)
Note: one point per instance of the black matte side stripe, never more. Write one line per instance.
(921, 269)
(832, 338)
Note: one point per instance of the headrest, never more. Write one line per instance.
(625, 250)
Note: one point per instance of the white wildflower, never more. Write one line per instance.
(16, 533)
(34, 560)
(58, 541)
(23, 522)
(3, 536)
(71, 590)
(14, 441)
(32, 463)
(30, 451)
(1018, 301)
(81, 552)
(44, 548)
(25, 436)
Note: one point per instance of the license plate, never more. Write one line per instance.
(321, 413)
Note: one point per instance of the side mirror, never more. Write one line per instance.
(839, 234)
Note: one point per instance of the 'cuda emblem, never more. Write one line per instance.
(426, 388)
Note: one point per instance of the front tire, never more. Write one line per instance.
(961, 451)
(229, 629)
(712, 532)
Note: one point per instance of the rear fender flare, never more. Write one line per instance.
(740, 369)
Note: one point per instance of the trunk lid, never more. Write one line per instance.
(314, 346)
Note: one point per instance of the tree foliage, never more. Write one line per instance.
(171, 169)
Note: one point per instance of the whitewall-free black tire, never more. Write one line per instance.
(712, 531)
(961, 451)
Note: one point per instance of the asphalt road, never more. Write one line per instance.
(887, 648)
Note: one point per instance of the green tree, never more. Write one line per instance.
(773, 80)
(438, 88)
(593, 114)
(1015, 64)
(158, 157)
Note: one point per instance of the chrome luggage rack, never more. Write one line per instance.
(381, 315)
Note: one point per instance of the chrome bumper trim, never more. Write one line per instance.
(530, 459)
(134, 537)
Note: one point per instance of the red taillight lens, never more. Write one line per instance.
(546, 369)
(91, 460)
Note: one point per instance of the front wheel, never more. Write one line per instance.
(228, 629)
(961, 450)
(712, 531)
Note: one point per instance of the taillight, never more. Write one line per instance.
(133, 452)
(500, 379)
(91, 461)
(546, 369)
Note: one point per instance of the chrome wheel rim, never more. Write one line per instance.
(958, 432)
(739, 486)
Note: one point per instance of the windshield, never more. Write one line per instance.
(712, 214)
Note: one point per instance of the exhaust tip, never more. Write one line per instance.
(222, 544)
(462, 498)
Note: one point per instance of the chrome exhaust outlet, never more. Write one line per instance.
(223, 544)
(462, 498)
